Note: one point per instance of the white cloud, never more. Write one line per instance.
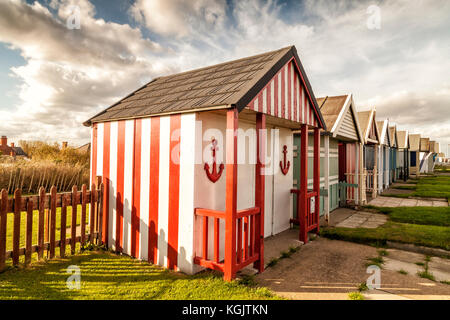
(180, 18)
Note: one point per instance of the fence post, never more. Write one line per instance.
(62, 251)
(3, 217)
(73, 235)
(29, 231)
(52, 221)
(83, 215)
(92, 217)
(41, 222)
(100, 213)
(16, 232)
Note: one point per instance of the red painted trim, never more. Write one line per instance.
(106, 181)
(317, 175)
(269, 98)
(260, 188)
(154, 191)
(307, 91)
(260, 100)
(94, 153)
(302, 198)
(276, 111)
(174, 191)
(136, 205)
(120, 184)
(289, 91)
(296, 107)
(283, 94)
(231, 195)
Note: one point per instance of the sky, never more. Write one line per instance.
(391, 55)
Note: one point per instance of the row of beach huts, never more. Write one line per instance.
(200, 167)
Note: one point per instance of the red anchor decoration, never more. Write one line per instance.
(285, 167)
(214, 175)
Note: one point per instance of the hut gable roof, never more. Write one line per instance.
(383, 132)
(424, 144)
(434, 147)
(368, 126)
(340, 117)
(393, 136)
(221, 86)
(414, 141)
(403, 139)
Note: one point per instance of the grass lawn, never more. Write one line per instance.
(436, 216)
(427, 187)
(423, 235)
(108, 276)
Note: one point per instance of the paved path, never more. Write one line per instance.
(362, 219)
(401, 202)
(330, 269)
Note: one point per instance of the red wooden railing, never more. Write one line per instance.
(247, 235)
(306, 220)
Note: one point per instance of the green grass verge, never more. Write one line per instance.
(436, 216)
(108, 276)
(423, 235)
(427, 187)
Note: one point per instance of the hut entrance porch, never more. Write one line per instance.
(307, 201)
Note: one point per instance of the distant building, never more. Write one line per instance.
(12, 150)
(84, 148)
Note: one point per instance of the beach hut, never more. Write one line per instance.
(369, 129)
(197, 165)
(393, 171)
(425, 155)
(414, 155)
(340, 153)
(434, 150)
(384, 150)
(403, 154)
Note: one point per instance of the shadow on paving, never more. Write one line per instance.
(330, 269)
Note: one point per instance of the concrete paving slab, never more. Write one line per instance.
(329, 269)
(385, 201)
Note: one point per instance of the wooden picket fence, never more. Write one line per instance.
(46, 205)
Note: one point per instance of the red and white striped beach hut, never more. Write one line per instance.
(197, 165)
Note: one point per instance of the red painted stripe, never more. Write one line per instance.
(120, 184)
(276, 107)
(260, 101)
(94, 153)
(174, 190)
(154, 191)
(136, 205)
(106, 181)
(283, 88)
(295, 95)
(289, 103)
(269, 99)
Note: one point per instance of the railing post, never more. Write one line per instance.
(302, 214)
(231, 195)
(317, 175)
(259, 188)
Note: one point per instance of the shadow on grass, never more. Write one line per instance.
(109, 276)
